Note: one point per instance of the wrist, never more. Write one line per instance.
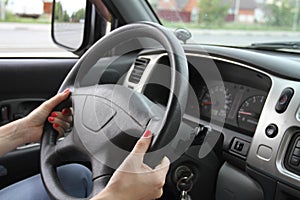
(108, 193)
(22, 130)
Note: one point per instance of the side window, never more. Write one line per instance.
(25, 29)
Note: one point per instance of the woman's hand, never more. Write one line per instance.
(29, 129)
(36, 119)
(134, 180)
(61, 120)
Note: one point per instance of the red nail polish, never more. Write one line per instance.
(50, 119)
(55, 125)
(66, 90)
(65, 111)
(53, 114)
(147, 133)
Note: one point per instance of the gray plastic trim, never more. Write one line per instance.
(273, 166)
(235, 184)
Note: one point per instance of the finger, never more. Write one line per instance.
(134, 160)
(54, 101)
(143, 143)
(67, 111)
(59, 115)
(159, 193)
(61, 123)
(164, 165)
(59, 129)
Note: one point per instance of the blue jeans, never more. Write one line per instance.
(75, 179)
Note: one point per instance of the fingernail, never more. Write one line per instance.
(147, 133)
(66, 90)
(50, 119)
(55, 125)
(65, 111)
(53, 114)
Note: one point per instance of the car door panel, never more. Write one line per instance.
(25, 84)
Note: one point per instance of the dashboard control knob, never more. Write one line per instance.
(271, 130)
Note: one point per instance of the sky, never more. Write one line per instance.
(72, 6)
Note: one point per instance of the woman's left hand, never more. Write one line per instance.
(60, 120)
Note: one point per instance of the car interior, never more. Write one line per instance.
(228, 117)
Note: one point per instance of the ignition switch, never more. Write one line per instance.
(181, 172)
(183, 178)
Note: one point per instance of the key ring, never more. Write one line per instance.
(185, 184)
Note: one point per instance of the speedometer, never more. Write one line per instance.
(249, 112)
(216, 102)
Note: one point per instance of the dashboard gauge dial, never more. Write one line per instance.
(249, 112)
(216, 102)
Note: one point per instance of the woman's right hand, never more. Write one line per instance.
(134, 180)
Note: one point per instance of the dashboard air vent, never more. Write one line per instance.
(140, 65)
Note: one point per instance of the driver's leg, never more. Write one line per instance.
(75, 179)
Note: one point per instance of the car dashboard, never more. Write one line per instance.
(250, 98)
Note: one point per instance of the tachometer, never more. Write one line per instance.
(249, 112)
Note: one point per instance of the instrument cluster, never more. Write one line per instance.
(236, 105)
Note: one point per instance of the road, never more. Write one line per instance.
(21, 38)
(15, 36)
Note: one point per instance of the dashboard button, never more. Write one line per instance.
(271, 130)
(284, 100)
(240, 146)
(295, 160)
(296, 152)
(264, 152)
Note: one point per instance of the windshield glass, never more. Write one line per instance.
(233, 22)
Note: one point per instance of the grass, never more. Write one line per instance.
(43, 19)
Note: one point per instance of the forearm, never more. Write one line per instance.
(12, 135)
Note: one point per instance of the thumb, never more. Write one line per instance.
(164, 165)
(135, 158)
(50, 104)
(143, 143)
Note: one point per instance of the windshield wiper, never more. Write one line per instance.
(275, 45)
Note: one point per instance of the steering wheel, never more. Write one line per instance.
(108, 119)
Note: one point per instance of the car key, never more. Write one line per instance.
(184, 185)
(184, 195)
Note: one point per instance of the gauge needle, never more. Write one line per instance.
(245, 113)
(206, 103)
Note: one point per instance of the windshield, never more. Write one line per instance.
(233, 22)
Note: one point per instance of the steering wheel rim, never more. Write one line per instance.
(54, 154)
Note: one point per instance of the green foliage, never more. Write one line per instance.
(9, 17)
(77, 16)
(212, 12)
(60, 14)
(280, 14)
